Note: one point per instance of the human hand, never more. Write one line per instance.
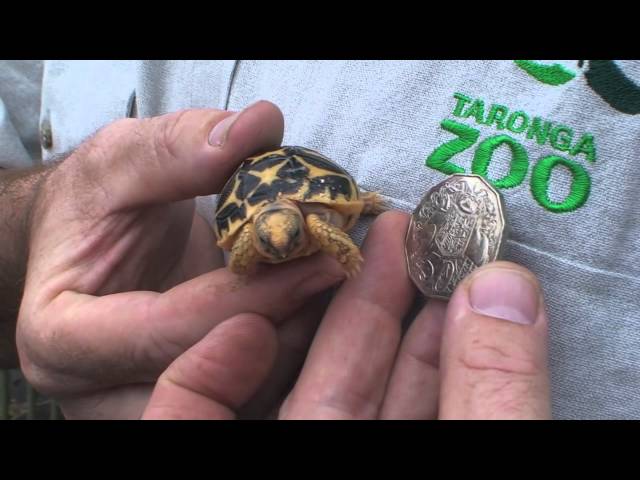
(123, 275)
(482, 356)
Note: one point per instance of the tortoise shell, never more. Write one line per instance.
(295, 173)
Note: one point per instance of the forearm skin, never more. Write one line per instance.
(18, 192)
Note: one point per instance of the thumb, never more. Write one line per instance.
(176, 156)
(494, 347)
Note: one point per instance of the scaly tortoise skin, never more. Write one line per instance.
(290, 203)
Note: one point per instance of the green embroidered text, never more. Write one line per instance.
(519, 160)
(557, 136)
(440, 157)
(580, 186)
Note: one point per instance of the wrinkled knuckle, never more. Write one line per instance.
(169, 131)
(36, 376)
(504, 381)
(114, 134)
(485, 357)
(160, 350)
(33, 362)
(506, 397)
(29, 341)
(181, 376)
(43, 358)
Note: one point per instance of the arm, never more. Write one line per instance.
(18, 190)
(20, 87)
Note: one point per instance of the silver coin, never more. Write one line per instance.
(458, 226)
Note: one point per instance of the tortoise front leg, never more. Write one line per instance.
(374, 204)
(336, 243)
(244, 255)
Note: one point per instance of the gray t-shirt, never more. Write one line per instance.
(558, 138)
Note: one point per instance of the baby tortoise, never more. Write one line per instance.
(290, 203)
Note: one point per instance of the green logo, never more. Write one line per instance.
(554, 74)
(573, 151)
(514, 129)
(604, 77)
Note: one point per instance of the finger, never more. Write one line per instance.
(218, 374)
(294, 338)
(347, 368)
(133, 336)
(124, 402)
(414, 386)
(175, 156)
(494, 350)
(201, 256)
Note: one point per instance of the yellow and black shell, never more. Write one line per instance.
(295, 173)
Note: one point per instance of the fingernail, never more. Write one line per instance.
(220, 132)
(504, 294)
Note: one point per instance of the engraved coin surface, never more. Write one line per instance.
(458, 226)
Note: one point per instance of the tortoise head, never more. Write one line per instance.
(280, 231)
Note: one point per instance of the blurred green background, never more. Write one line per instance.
(19, 401)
